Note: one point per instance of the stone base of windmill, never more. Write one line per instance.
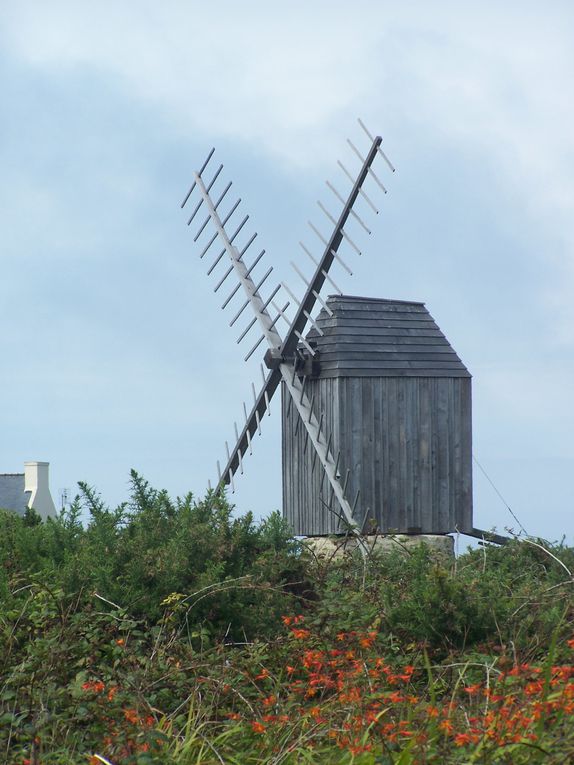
(336, 547)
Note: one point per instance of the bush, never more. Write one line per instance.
(497, 597)
(170, 631)
(231, 573)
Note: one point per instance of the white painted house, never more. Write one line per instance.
(31, 488)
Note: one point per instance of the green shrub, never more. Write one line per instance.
(496, 597)
(136, 555)
(152, 634)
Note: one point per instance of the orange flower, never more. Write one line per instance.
(121, 641)
(257, 727)
(570, 643)
(286, 620)
(131, 716)
(472, 689)
(357, 748)
(519, 669)
(353, 694)
(93, 685)
(112, 692)
(446, 726)
(270, 701)
(563, 672)
(262, 675)
(366, 641)
(300, 634)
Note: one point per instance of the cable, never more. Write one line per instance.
(490, 481)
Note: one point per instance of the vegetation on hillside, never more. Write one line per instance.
(172, 632)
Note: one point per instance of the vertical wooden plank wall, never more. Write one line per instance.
(407, 443)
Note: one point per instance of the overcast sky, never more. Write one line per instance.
(113, 351)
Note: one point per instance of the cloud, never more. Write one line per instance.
(492, 79)
(509, 86)
(247, 71)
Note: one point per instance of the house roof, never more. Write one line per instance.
(370, 337)
(12, 494)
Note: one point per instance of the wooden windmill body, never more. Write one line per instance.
(397, 400)
(376, 406)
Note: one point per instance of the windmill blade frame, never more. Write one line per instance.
(282, 356)
(242, 273)
(273, 359)
(320, 276)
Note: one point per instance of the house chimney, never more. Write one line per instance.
(36, 482)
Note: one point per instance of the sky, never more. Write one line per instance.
(114, 352)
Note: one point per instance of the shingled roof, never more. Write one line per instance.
(369, 337)
(12, 494)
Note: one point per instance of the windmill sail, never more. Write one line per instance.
(283, 356)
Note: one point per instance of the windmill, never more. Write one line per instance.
(320, 471)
